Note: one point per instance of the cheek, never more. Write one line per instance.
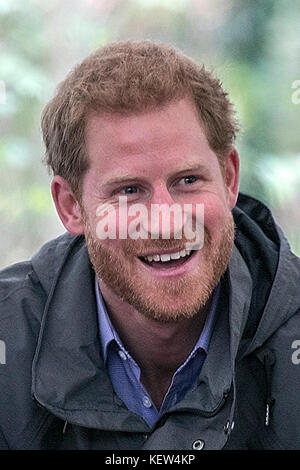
(115, 223)
(114, 245)
(215, 215)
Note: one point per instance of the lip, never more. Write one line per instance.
(180, 270)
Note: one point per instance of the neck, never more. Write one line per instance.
(159, 348)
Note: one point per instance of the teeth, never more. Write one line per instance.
(164, 258)
(167, 257)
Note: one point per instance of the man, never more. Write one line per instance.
(128, 333)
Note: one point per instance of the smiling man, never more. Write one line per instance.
(139, 336)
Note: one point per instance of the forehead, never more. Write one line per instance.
(163, 137)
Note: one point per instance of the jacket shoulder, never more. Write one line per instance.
(15, 277)
(24, 290)
(31, 280)
(48, 261)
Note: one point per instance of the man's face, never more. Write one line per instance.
(156, 157)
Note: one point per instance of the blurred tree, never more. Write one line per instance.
(254, 47)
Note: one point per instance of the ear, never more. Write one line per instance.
(67, 207)
(232, 177)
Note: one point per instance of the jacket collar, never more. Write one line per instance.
(68, 373)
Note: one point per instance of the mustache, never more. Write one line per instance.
(141, 247)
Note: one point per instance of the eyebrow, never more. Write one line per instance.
(129, 178)
(192, 167)
(126, 178)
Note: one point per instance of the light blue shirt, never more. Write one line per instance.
(125, 373)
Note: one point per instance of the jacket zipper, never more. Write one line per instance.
(269, 360)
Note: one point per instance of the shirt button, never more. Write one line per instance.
(147, 402)
(122, 355)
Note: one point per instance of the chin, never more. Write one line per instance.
(166, 306)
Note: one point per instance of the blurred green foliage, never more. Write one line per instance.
(254, 47)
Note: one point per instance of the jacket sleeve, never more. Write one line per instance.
(285, 417)
(21, 307)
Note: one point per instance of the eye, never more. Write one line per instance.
(130, 189)
(188, 179)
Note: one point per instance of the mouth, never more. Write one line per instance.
(169, 263)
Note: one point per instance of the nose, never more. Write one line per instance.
(165, 216)
(161, 194)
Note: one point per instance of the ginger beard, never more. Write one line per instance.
(118, 266)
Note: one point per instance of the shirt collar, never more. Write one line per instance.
(109, 335)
